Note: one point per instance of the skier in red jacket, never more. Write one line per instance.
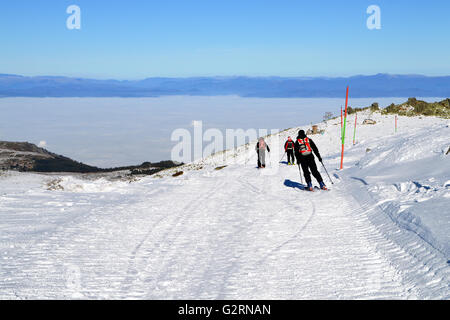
(289, 149)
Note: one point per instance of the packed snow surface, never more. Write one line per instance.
(381, 232)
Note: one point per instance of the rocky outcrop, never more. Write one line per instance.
(20, 155)
(369, 121)
(414, 107)
(24, 156)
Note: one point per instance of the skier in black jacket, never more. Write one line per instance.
(289, 149)
(304, 148)
(261, 148)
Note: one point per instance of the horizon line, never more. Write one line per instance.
(305, 77)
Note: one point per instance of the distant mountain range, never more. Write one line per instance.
(380, 85)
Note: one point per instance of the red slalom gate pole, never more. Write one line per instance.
(343, 130)
(396, 123)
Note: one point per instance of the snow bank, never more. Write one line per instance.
(408, 173)
(73, 184)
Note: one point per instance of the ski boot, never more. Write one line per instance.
(323, 186)
(310, 187)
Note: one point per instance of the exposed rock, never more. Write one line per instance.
(22, 156)
(414, 107)
(369, 121)
(54, 185)
(315, 129)
(406, 108)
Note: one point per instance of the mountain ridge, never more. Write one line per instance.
(27, 157)
(362, 86)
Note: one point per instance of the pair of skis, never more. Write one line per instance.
(315, 187)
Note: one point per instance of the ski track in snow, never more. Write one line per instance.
(237, 233)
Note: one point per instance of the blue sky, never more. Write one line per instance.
(178, 38)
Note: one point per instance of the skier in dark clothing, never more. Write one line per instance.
(289, 149)
(261, 148)
(304, 148)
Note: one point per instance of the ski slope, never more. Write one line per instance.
(382, 232)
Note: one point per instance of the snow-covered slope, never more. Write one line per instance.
(381, 232)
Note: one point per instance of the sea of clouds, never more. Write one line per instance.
(109, 132)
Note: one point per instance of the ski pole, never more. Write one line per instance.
(300, 171)
(327, 172)
(283, 156)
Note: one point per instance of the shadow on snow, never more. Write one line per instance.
(293, 184)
